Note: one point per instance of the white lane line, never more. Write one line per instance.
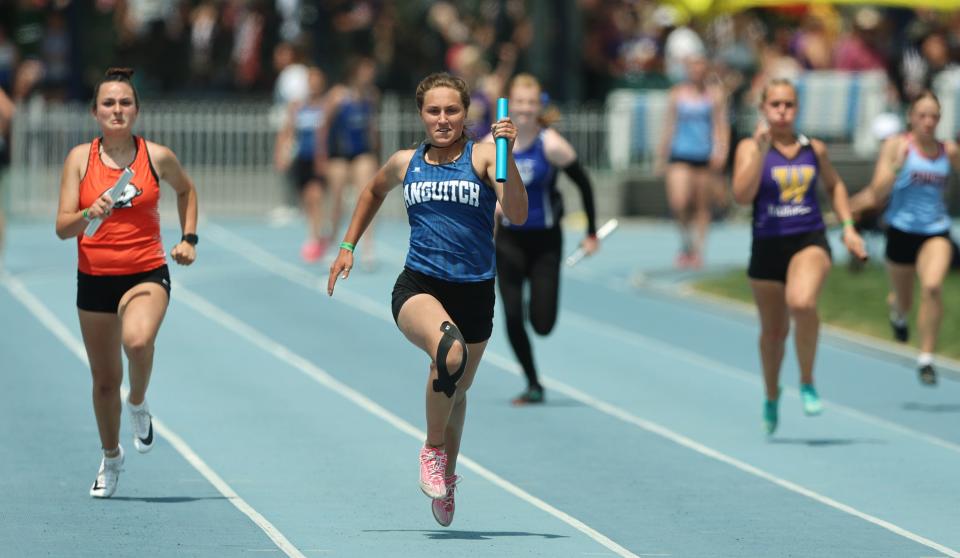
(295, 274)
(702, 449)
(314, 372)
(680, 353)
(74, 345)
(837, 336)
(266, 260)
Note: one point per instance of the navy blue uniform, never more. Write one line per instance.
(350, 129)
(450, 210)
(307, 121)
(544, 204)
(451, 256)
(532, 253)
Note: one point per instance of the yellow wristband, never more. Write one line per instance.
(849, 222)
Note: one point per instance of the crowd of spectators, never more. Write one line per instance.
(639, 43)
(59, 48)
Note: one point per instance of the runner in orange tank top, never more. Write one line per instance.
(123, 285)
(128, 242)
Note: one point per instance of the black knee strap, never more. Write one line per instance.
(447, 382)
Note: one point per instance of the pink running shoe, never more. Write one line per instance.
(433, 465)
(443, 508)
(312, 250)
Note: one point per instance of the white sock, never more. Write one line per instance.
(924, 359)
(897, 318)
(136, 407)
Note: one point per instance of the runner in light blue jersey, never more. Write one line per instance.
(912, 171)
(692, 153)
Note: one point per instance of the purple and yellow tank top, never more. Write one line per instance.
(786, 202)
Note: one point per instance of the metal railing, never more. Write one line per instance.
(584, 127)
(228, 147)
(834, 106)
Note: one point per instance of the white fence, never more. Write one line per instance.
(835, 106)
(585, 128)
(226, 147)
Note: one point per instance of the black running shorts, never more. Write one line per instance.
(102, 293)
(470, 305)
(770, 257)
(903, 247)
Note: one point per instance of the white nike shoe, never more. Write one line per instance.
(142, 426)
(108, 476)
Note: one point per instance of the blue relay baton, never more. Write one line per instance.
(502, 112)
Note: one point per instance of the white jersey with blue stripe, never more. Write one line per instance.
(917, 200)
(450, 210)
(544, 204)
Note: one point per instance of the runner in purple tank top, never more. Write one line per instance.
(777, 170)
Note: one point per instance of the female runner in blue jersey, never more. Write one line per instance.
(443, 299)
(532, 252)
(777, 170)
(296, 151)
(696, 138)
(348, 139)
(913, 171)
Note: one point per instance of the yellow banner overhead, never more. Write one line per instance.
(703, 7)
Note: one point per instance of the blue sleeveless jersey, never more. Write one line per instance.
(786, 202)
(916, 201)
(307, 122)
(450, 210)
(693, 135)
(350, 129)
(544, 204)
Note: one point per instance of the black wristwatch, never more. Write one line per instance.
(191, 239)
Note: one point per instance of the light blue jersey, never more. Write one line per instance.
(916, 201)
(450, 210)
(693, 134)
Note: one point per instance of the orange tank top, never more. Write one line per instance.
(129, 240)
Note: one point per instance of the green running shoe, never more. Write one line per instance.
(771, 414)
(532, 395)
(811, 401)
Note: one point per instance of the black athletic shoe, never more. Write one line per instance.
(901, 332)
(928, 376)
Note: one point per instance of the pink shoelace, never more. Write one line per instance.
(435, 460)
(447, 501)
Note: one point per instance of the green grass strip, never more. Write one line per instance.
(856, 301)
